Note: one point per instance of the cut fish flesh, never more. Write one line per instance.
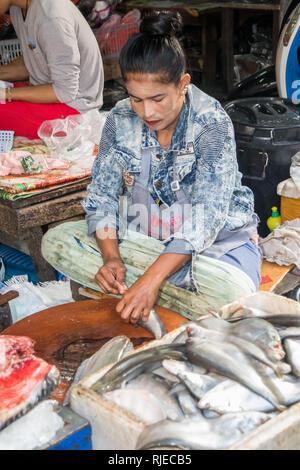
(24, 378)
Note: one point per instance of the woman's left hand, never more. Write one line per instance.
(138, 300)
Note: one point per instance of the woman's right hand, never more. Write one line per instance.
(111, 277)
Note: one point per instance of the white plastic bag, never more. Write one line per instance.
(35, 297)
(75, 136)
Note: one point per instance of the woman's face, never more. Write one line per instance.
(156, 103)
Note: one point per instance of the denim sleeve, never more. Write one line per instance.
(102, 202)
(182, 247)
(215, 178)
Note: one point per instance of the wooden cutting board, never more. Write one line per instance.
(68, 334)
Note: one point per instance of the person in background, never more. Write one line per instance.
(60, 60)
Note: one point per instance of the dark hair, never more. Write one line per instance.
(155, 49)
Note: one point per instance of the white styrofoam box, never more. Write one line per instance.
(113, 428)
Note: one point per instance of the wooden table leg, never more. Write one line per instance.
(33, 238)
(5, 313)
(227, 46)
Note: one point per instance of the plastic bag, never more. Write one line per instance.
(75, 136)
(114, 33)
(34, 298)
(104, 31)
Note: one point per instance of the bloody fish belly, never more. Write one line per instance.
(24, 378)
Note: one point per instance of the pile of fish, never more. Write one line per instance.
(24, 378)
(217, 381)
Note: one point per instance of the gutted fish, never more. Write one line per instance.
(153, 324)
(199, 433)
(24, 378)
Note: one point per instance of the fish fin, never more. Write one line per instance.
(214, 314)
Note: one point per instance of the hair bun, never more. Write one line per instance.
(161, 23)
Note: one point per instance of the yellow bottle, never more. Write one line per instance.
(274, 220)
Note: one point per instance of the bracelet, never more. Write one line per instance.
(8, 94)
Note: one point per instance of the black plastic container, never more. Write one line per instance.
(267, 132)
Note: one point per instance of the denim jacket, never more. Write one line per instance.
(205, 151)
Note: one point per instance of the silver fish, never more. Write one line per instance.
(199, 433)
(181, 337)
(248, 347)
(196, 383)
(279, 319)
(153, 324)
(226, 359)
(112, 351)
(263, 333)
(160, 389)
(230, 396)
(187, 403)
(163, 374)
(133, 365)
(292, 347)
(256, 330)
(291, 332)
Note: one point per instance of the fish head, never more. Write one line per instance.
(194, 329)
(275, 351)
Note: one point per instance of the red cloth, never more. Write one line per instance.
(25, 118)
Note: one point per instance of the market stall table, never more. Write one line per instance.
(24, 221)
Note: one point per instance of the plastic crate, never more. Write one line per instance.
(6, 140)
(10, 49)
(17, 263)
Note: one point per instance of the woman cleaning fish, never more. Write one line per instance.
(167, 219)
